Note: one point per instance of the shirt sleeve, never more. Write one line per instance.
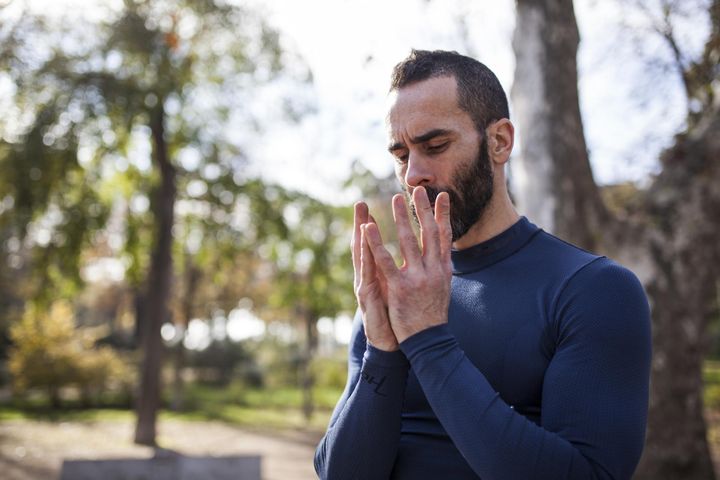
(595, 391)
(364, 432)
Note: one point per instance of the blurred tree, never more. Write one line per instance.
(377, 192)
(312, 270)
(11, 289)
(218, 236)
(219, 364)
(668, 233)
(283, 251)
(50, 353)
(153, 103)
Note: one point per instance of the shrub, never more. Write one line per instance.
(330, 372)
(50, 354)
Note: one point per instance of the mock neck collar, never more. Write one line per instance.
(493, 250)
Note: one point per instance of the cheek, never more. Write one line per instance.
(400, 173)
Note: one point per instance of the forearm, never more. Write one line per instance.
(363, 440)
(497, 441)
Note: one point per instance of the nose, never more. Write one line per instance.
(418, 171)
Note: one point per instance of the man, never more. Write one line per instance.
(496, 351)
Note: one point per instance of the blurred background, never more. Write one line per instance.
(176, 189)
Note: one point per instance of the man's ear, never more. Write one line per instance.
(500, 140)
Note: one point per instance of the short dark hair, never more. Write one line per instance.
(479, 91)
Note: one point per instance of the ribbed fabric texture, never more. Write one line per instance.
(541, 373)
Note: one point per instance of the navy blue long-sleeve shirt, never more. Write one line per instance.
(541, 372)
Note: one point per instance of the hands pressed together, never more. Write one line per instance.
(397, 302)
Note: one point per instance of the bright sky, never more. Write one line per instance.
(351, 47)
(626, 126)
(629, 113)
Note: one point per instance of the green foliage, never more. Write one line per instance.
(82, 156)
(711, 377)
(77, 142)
(224, 361)
(279, 363)
(49, 353)
(311, 260)
(330, 373)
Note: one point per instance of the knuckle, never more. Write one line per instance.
(429, 227)
(421, 284)
(433, 232)
(408, 237)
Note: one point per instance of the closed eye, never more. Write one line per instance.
(401, 156)
(437, 148)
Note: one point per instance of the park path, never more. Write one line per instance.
(34, 450)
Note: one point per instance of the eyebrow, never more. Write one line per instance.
(420, 138)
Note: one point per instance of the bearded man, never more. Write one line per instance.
(496, 351)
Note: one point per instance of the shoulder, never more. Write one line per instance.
(588, 290)
(604, 280)
(604, 299)
(574, 270)
(565, 256)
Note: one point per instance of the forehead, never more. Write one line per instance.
(426, 105)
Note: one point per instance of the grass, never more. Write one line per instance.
(277, 408)
(237, 394)
(14, 412)
(262, 409)
(256, 417)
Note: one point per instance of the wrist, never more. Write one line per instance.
(427, 340)
(385, 346)
(384, 359)
(408, 330)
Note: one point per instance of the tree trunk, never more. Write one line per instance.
(553, 178)
(684, 206)
(307, 378)
(54, 395)
(155, 309)
(669, 240)
(139, 304)
(192, 277)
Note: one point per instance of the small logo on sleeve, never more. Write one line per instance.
(374, 381)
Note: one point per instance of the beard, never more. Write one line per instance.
(470, 193)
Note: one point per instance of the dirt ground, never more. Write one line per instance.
(34, 450)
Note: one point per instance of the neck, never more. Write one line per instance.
(499, 215)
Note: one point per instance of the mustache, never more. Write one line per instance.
(432, 194)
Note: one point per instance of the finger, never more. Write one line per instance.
(428, 227)
(406, 236)
(383, 284)
(383, 260)
(442, 220)
(378, 273)
(367, 262)
(360, 217)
